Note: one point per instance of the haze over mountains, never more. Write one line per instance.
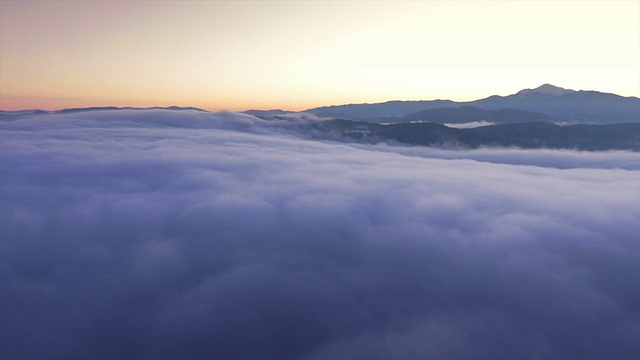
(545, 117)
(546, 101)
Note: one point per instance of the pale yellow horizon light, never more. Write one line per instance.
(297, 55)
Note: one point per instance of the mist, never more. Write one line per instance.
(158, 234)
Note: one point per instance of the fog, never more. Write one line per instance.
(162, 234)
(469, 125)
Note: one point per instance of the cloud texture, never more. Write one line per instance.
(179, 234)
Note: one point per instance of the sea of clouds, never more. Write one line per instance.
(158, 234)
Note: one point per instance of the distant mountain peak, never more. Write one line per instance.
(546, 89)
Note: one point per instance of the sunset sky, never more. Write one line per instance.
(295, 55)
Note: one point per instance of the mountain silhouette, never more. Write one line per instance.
(529, 135)
(568, 105)
(546, 89)
(577, 106)
(465, 114)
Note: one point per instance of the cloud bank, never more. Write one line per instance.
(164, 235)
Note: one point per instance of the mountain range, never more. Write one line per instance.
(528, 135)
(95, 108)
(530, 118)
(545, 103)
(544, 117)
(465, 114)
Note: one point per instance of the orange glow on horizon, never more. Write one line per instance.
(240, 55)
(14, 103)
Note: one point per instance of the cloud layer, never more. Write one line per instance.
(166, 234)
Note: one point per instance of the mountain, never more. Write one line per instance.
(465, 114)
(21, 112)
(523, 135)
(95, 108)
(98, 108)
(77, 110)
(568, 105)
(273, 112)
(624, 136)
(385, 109)
(577, 106)
(546, 89)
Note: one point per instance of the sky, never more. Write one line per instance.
(295, 55)
(157, 234)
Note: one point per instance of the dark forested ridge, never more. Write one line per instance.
(625, 136)
(465, 114)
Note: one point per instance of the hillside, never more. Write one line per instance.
(524, 135)
(548, 101)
